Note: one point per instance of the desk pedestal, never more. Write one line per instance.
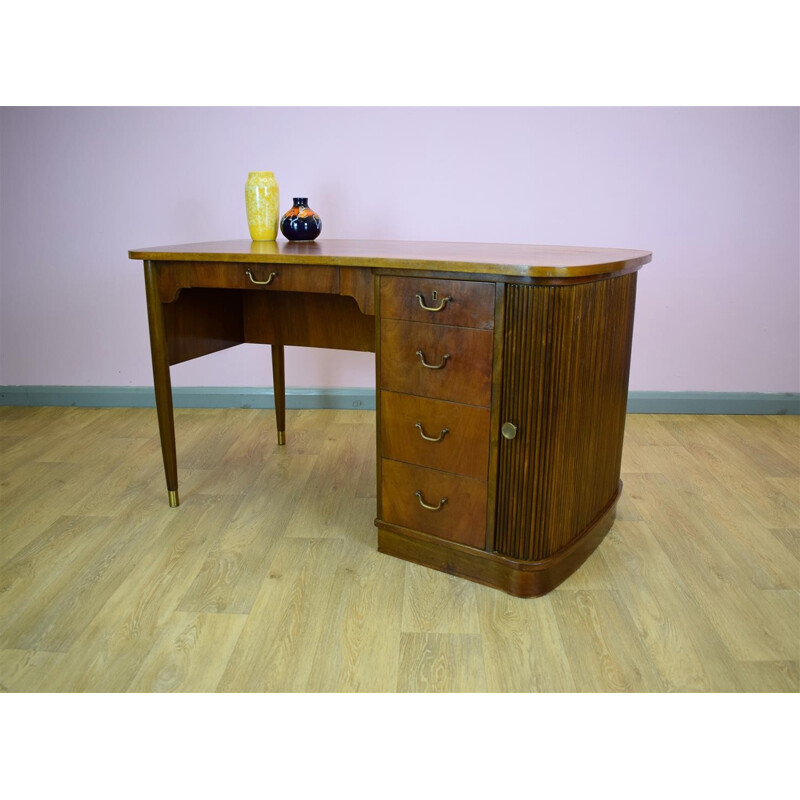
(560, 367)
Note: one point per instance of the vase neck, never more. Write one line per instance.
(301, 201)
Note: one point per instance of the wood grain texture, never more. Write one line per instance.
(436, 603)
(358, 649)
(358, 284)
(565, 384)
(749, 626)
(471, 303)
(522, 644)
(162, 383)
(602, 644)
(191, 653)
(438, 662)
(279, 656)
(116, 641)
(172, 278)
(229, 579)
(531, 261)
(667, 602)
(202, 321)
(279, 388)
(461, 502)
(520, 578)
(466, 376)
(495, 423)
(307, 320)
(330, 484)
(669, 623)
(463, 450)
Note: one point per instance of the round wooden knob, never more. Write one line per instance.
(509, 430)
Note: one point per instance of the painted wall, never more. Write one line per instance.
(713, 192)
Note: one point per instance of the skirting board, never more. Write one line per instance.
(364, 399)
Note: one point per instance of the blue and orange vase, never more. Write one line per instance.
(300, 223)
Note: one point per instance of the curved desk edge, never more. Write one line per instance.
(512, 260)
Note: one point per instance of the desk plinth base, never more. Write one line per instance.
(511, 575)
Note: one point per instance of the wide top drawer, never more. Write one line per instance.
(269, 277)
(468, 304)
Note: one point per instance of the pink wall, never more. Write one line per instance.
(714, 192)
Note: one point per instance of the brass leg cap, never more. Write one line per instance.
(173, 499)
(281, 437)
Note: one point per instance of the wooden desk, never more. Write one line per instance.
(502, 378)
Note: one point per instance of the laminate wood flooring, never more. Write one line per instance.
(267, 577)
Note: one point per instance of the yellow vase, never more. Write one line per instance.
(261, 198)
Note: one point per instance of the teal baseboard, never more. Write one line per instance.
(184, 397)
(364, 399)
(713, 403)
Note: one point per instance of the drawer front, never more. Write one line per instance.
(461, 516)
(463, 357)
(266, 277)
(467, 304)
(461, 433)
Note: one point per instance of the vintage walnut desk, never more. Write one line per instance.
(502, 379)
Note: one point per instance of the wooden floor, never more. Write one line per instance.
(267, 578)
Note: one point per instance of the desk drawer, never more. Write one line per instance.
(461, 502)
(459, 361)
(265, 277)
(462, 434)
(468, 304)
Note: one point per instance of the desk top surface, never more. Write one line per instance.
(520, 260)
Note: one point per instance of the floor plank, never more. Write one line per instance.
(603, 647)
(191, 653)
(276, 649)
(440, 662)
(522, 644)
(358, 650)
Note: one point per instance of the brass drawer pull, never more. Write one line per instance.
(267, 282)
(440, 307)
(418, 495)
(438, 438)
(432, 366)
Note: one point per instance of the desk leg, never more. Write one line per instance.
(161, 382)
(279, 384)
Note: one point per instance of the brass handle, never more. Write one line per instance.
(432, 366)
(431, 438)
(267, 282)
(440, 307)
(425, 505)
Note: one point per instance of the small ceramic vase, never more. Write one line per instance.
(263, 206)
(300, 223)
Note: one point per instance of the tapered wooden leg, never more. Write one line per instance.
(161, 382)
(279, 384)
